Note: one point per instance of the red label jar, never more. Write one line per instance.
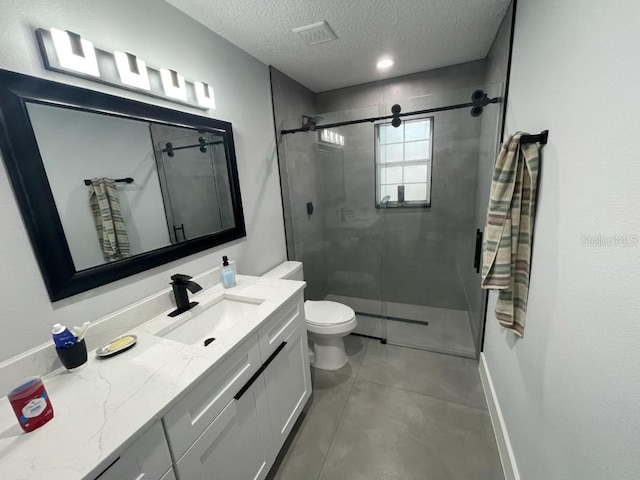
(31, 404)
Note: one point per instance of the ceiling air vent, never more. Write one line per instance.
(316, 33)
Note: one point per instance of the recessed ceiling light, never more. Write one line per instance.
(385, 63)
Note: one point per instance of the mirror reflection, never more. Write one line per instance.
(123, 187)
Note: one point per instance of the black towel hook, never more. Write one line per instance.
(540, 138)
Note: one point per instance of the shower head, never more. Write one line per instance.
(309, 123)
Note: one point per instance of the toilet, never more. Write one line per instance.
(327, 322)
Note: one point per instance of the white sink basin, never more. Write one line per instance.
(218, 319)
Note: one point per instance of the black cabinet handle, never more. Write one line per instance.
(105, 470)
(273, 355)
(255, 376)
(476, 260)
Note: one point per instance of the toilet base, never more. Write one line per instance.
(328, 352)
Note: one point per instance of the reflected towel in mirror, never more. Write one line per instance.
(110, 226)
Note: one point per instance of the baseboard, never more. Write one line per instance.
(507, 457)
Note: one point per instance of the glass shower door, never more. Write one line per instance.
(427, 172)
(336, 227)
(188, 170)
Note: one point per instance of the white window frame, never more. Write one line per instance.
(378, 167)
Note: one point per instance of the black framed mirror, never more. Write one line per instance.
(109, 187)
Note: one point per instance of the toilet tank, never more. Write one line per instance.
(286, 271)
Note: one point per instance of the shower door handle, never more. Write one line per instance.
(175, 232)
(476, 260)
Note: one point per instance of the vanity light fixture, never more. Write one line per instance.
(204, 95)
(329, 136)
(67, 52)
(385, 63)
(132, 70)
(74, 52)
(173, 84)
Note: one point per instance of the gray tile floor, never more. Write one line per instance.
(395, 413)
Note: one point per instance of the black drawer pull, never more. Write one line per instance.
(273, 355)
(255, 376)
(105, 470)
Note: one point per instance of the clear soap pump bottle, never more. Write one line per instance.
(228, 275)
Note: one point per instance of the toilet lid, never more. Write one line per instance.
(327, 313)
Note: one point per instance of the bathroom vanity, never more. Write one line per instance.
(172, 407)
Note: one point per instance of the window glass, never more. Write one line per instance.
(391, 175)
(403, 159)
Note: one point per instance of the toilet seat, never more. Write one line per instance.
(325, 312)
(329, 318)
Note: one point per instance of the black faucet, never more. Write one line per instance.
(182, 283)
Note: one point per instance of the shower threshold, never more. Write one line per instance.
(420, 327)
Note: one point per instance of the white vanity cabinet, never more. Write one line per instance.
(288, 382)
(232, 424)
(284, 348)
(186, 421)
(237, 445)
(146, 459)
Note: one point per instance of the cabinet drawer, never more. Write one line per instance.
(147, 458)
(288, 382)
(237, 445)
(279, 327)
(185, 422)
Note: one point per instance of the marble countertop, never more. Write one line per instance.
(108, 403)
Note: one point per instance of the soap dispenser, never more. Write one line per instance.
(227, 275)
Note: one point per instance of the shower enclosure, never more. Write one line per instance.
(385, 218)
(194, 177)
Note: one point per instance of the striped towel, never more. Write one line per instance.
(507, 247)
(110, 226)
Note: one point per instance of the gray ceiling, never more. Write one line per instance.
(419, 34)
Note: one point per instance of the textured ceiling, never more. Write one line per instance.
(419, 34)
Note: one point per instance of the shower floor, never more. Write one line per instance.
(437, 329)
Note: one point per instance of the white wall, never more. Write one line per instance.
(162, 36)
(570, 389)
(76, 145)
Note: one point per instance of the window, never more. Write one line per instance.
(403, 163)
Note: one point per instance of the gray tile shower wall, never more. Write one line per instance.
(437, 81)
(350, 248)
(418, 253)
(299, 180)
